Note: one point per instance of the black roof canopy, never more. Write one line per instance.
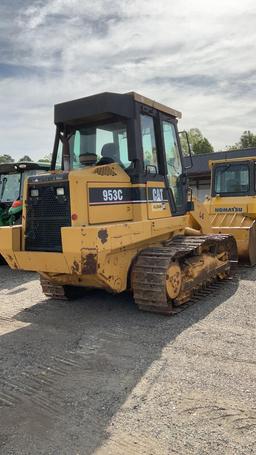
(104, 105)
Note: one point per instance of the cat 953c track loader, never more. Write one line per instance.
(114, 211)
(232, 205)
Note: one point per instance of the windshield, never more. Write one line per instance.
(231, 179)
(9, 187)
(107, 140)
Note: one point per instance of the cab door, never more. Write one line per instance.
(176, 180)
(156, 192)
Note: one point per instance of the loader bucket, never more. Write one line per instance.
(243, 230)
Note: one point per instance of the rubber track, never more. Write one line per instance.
(149, 273)
(59, 292)
(53, 291)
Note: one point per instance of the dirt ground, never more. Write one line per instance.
(96, 376)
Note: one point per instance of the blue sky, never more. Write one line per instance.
(196, 56)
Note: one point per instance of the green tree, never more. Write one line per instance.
(6, 159)
(25, 158)
(199, 144)
(235, 146)
(247, 140)
(46, 158)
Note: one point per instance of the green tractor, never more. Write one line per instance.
(12, 176)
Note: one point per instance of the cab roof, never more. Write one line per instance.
(104, 105)
(232, 160)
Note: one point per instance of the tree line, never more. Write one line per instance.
(9, 159)
(198, 142)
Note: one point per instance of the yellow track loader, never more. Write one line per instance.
(113, 213)
(232, 205)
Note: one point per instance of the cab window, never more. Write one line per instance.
(149, 143)
(58, 164)
(108, 141)
(10, 187)
(232, 179)
(173, 161)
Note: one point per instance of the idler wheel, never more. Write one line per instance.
(173, 280)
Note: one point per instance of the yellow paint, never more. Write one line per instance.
(156, 209)
(106, 213)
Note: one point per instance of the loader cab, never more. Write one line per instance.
(233, 187)
(234, 178)
(128, 129)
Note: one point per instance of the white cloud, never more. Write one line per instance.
(196, 56)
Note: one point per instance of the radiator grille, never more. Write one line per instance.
(46, 214)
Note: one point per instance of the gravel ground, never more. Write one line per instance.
(96, 376)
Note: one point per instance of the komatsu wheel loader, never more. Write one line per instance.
(232, 205)
(114, 212)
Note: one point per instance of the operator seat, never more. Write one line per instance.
(109, 154)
